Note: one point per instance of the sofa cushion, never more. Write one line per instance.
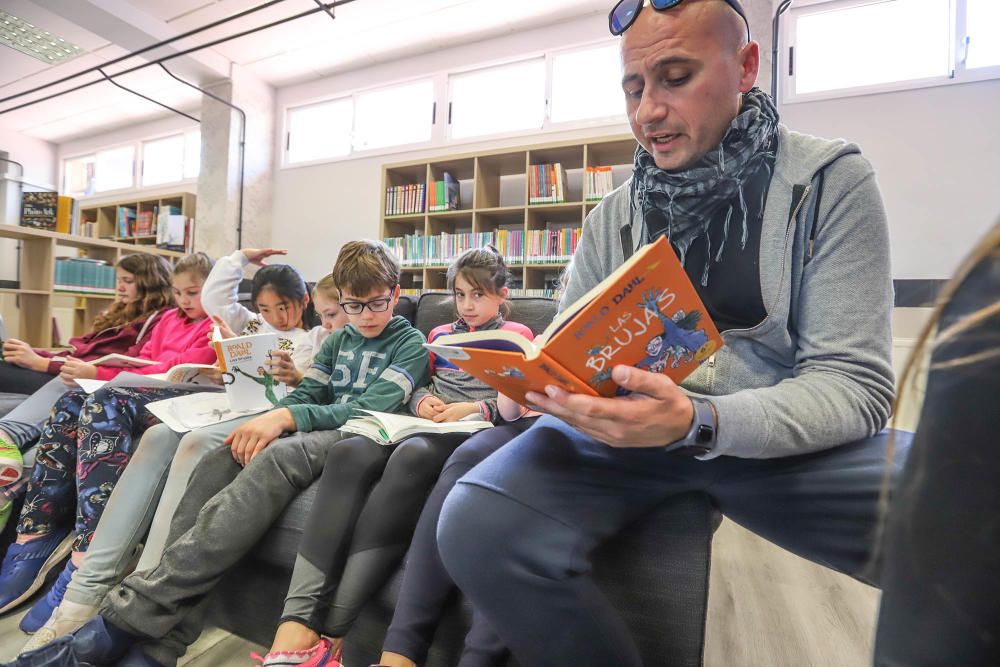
(435, 309)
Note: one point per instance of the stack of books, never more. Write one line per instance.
(405, 199)
(597, 183)
(546, 183)
(174, 231)
(445, 195)
(551, 246)
(510, 243)
(83, 275)
(125, 223)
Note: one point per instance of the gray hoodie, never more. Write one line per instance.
(816, 372)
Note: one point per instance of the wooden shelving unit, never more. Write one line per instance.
(105, 215)
(494, 195)
(30, 305)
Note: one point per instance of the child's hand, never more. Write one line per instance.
(430, 407)
(281, 366)
(511, 410)
(252, 437)
(74, 369)
(21, 354)
(455, 411)
(257, 256)
(224, 329)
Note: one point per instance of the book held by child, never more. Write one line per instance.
(244, 362)
(646, 314)
(387, 429)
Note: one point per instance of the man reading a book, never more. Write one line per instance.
(784, 237)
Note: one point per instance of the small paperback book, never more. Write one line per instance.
(245, 371)
(646, 314)
(115, 360)
(387, 429)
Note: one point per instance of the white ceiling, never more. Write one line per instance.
(365, 32)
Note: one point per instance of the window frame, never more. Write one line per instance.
(959, 73)
(440, 130)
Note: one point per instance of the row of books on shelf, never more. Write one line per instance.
(49, 211)
(597, 182)
(81, 274)
(536, 246)
(443, 195)
(518, 291)
(546, 183)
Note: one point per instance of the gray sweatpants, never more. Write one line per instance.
(23, 423)
(145, 499)
(217, 522)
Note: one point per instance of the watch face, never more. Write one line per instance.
(704, 434)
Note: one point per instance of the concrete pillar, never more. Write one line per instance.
(218, 182)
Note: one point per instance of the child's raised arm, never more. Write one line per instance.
(220, 295)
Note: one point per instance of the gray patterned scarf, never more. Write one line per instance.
(684, 204)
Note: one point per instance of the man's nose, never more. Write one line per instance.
(651, 109)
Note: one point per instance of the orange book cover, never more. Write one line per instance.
(646, 314)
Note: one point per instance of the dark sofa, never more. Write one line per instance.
(656, 573)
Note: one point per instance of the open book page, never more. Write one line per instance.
(389, 428)
(155, 380)
(190, 411)
(116, 360)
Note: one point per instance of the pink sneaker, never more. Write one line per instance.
(320, 655)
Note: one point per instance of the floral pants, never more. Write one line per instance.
(84, 448)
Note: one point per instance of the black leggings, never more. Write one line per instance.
(353, 540)
(426, 586)
(17, 380)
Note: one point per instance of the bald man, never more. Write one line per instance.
(785, 238)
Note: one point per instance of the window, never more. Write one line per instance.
(982, 20)
(167, 160)
(587, 84)
(115, 169)
(842, 47)
(78, 176)
(394, 116)
(498, 99)
(320, 130)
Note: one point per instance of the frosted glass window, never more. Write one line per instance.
(587, 84)
(163, 160)
(872, 43)
(192, 154)
(982, 21)
(498, 99)
(320, 130)
(115, 169)
(394, 116)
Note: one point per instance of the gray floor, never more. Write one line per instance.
(767, 608)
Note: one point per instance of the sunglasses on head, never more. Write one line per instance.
(625, 12)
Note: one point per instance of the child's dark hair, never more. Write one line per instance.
(365, 266)
(484, 269)
(288, 284)
(196, 262)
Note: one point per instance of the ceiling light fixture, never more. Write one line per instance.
(32, 41)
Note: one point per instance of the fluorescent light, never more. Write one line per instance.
(32, 41)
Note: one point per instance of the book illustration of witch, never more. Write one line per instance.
(262, 378)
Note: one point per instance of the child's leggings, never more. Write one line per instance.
(84, 448)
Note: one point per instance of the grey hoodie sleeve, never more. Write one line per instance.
(418, 395)
(842, 385)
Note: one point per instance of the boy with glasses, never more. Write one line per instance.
(373, 363)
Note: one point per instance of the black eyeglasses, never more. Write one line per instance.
(379, 305)
(625, 12)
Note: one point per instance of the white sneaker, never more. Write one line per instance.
(67, 618)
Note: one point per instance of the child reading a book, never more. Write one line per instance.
(369, 497)
(143, 294)
(86, 444)
(374, 363)
(149, 490)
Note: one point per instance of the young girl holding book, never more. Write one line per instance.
(88, 440)
(149, 490)
(369, 496)
(143, 294)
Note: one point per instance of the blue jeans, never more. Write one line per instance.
(517, 532)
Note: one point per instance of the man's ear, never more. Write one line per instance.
(749, 66)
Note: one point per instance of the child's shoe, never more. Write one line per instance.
(26, 566)
(40, 612)
(11, 463)
(100, 642)
(66, 619)
(320, 655)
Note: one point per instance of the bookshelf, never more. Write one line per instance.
(104, 216)
(494, 195)
(27, 309)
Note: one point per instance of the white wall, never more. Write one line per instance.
(40, 171)
(937, 155)
(318, 208)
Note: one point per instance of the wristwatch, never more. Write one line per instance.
(700, 438)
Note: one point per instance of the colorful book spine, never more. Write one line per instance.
(405, 199)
